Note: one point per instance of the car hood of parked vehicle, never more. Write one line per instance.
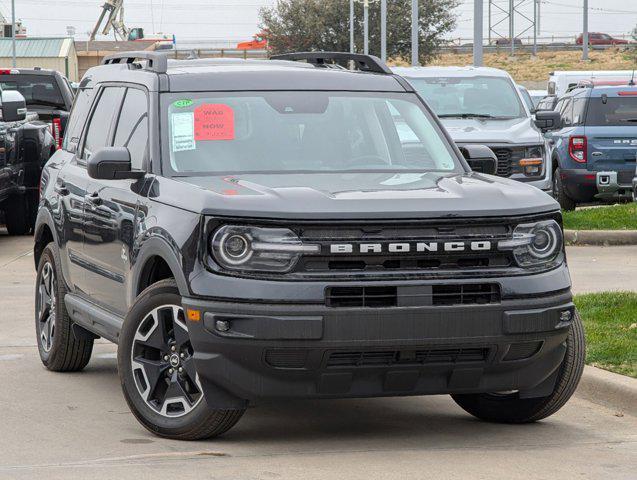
(355, 195)
(489, 131)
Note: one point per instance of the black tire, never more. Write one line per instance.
(566, 202)
(140, 342)
(17, 215)
(60, 350)
(512, 409)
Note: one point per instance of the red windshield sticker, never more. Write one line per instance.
(214, 121)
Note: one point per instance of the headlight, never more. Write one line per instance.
(533, 160)
(535, 244)
(236, 247)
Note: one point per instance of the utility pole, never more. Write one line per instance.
(585, 32)
(511, 27)
(366, 27)
(478, 9)
(383, 30)
(415, 29)
(13, 33)
(351, 26)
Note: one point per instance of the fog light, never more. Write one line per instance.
(566, 316)
(222, 325)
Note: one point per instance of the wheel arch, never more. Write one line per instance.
(43, 233)
(156, 261)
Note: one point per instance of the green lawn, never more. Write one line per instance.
(612, 217)
(610, 322)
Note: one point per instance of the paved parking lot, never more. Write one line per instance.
(60, 426)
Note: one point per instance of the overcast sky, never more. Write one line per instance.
(237, 20)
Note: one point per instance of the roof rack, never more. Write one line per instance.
(364, 63)
(155, 61)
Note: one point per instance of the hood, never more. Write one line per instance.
(487, 131)
(356, 195)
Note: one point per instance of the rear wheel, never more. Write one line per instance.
(59, 348)
(157, 370)
(510, 408)
(566, 202)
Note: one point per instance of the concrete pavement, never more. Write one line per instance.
(60, 426)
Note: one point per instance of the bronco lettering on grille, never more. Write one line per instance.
(410, 247)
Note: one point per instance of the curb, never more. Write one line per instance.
(600, 237)
(608, 389)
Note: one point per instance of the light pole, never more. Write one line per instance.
(13, 33)
(478, 10)
(535, 12)
(366, 27)
(415, 27)
(585, 32)
(351, 26)
(383, 30)
(511, 27)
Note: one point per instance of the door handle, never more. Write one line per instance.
(60, 188)
(94, 198)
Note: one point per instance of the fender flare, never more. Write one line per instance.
(157, 247)
(44, 218)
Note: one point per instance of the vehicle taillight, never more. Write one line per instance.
(577, 149)
(8, 71)
(630, 93)
(56, 131)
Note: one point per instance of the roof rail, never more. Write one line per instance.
(155, 61)
(364, 63)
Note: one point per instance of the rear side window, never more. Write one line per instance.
(567, 112)
(579, 110)
(132, 127)
(38, 90)
(77, 119)
(98, 133)
(615, 111)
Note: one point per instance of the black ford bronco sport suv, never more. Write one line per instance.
(274, 228)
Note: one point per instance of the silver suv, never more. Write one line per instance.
(483, 106)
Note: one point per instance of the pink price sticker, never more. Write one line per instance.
(214, 121)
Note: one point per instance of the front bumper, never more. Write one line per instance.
(249, 351)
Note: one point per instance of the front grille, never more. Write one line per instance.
(468, 230)
(411, 296)
(419, 356)
(504, 161)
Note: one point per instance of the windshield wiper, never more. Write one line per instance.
(628, 119)
(467, 115)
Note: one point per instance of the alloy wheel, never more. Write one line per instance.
(162, 363)
(46, 306)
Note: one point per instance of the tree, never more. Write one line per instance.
(311, 25)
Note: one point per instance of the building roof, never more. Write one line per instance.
(36, 47)
(112, 46)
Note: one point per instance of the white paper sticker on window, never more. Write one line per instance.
(183, 131)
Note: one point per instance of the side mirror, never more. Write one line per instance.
(14, 107)
(111, 163)
(547, 120)
(480, 158)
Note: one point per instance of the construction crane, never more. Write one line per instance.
(114, 11)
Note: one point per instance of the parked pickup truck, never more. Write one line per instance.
(26, 143)
(46, 92)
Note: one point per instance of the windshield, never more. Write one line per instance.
(487, 97)
(37, 90)
(613, 111)
(278, 132)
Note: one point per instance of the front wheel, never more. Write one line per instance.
(157, 369)
(510, 408)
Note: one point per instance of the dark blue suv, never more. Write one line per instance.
(594, 153)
